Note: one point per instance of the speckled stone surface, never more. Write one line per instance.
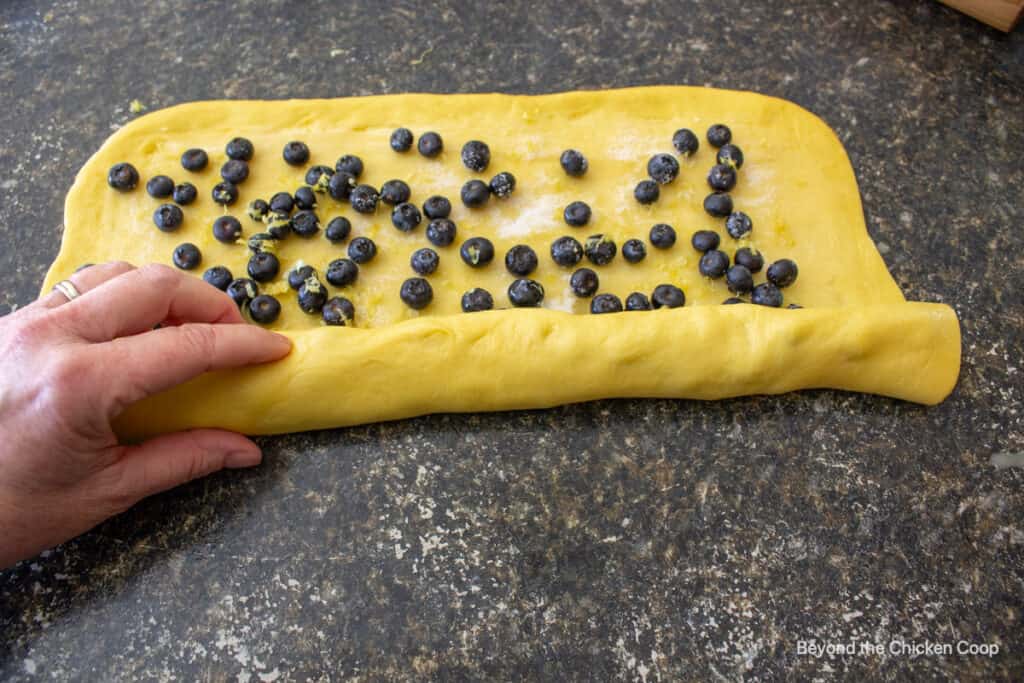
(637, 540)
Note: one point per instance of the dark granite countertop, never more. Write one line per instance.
(638, 540)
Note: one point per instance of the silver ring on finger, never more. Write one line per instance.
(68, 289)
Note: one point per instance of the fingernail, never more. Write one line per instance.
(285, 342)
(237, 459)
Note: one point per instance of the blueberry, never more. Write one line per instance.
(600, 250)
(719, 134)
(606, 303)
(638, 302)
(227, 229)
(416, 292)
(239, 148)
(713, 264)
(685, 141)
(305, 198)
(584, 282)
(282, 202)
(424, 261)
(279, 225)
(194, 159)
(646, 192)
(242, 290)
(477, 299)
(264, 309)
(395, 192)
(261, 241)
(263, 266)
(730, 155)
(185, 193)
(733, 300)
(351, 164)
(766, 294)
(258, 209)
(662, 236)
(634, 251)
(718, 204)
(299, 274)
(502, 185)
(782, 273)
(338, 229)
(476, 155)
(341, 185)
(342, 272)
(705, 240)
(312, 296)
(305, 223)
(566, 251)
(406, 217)
(441, 232)
(667, 296)
(738, 224)
(722, 177)
(362, 250)
(364, 198)
(437, 207)
(234, 171)
(750, 258)
(224, 193)
(168, 217)
(296, 153)
(663, 168)
(338, 311)
(477, 251)
(573, 163)
(319, 177)
(739, 280)
(475, 193)
(525, 293)
(218, 276)
(521, 260)
(186, 256)
(123, 177)
(577, 214)
(401, 140)
(430, 145)
(160, 187)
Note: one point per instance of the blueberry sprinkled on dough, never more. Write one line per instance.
(338, 311)
(605, 303)
(305, 223)
(476, 155)
(738, 224)
(295, 153)
(341, 185)
(258, 209)
(477, 251)
(351, 164)
(318, 177)
(430, 145)
(566, 251)
(187, 256)
(218, 276)
(123, 177)
(584, 282)
(722, 177)
(416, 292)
(634, 251)
(731, 155)
(503, 185)
(342, 272)
(282, 202)
(242, 290)
(160, 187)
(263, 266)
(733, 300)
(475, 193)
(184, 193)
(262, 241)
(646, 192)
(279, 225)
(362, 250)
(638, 301)
(739, 280)
(713, 264)
(718, 204)
(401, 140)
(168, 217)
(437, 207)
(662, 236)
(264, 309)
(299, 274)
(525, 293)
(685, 141)
(521, 260)
(224, 193)
(663, 168)
(395, 192)
(719, 134)
(782, 273)
(194, 159)
(749, 258)
(234, 171)
(227, 229)
(239, 148)
(766, 294)
(441, 232)
(667, 296)
(477, 299)
(577, 214)
(364, 198)
(338, 229)
(573, 163)
(705, 240)
(305, 198)
(312, 296)
(406, 217)
(600, 250)
(424, 261)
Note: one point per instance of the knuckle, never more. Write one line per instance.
(199, 340)
(158, 275)
(28, 332)
(118, 267)
(66, 370)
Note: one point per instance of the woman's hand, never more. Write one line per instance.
(67, 368)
